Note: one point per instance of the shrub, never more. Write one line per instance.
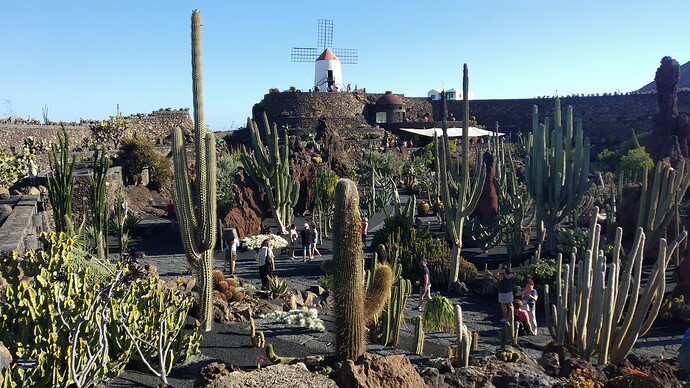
(326, 282)
(135, 154)
(635, 162)
(226, 168)
(13, 168)
(541, 271)
(387, 164)
(610, 158)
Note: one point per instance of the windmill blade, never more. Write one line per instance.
(325, 37)
(346, 56)
(304, 54)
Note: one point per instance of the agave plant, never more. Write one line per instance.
(439, 314)
(277, 287)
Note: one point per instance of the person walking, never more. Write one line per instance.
(528, 295)
(424, 283)
(266, 262)
(306, 235)
(294, 238)
(382, 254)
(317, 241)
(504, 276)
(365, 231)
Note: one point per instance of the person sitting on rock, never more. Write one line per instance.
(522, 316)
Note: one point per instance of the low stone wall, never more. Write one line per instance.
(18, 232)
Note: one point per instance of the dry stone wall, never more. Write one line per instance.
(157, 126)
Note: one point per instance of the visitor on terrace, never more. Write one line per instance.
(522, 316)
(294, 238)
(307, 237)
(266, 262)
(365, 231)
(424, 283)
(316, 240)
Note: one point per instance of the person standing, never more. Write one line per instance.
(529, 296)
(365, 231)
(234, 244)
(266, 262)
(382, 254)
(294, 238)
(424, 284)
(307, 237)
(504, 276)
(315, 242)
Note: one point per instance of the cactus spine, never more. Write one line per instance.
(556, 173)
(419, 335)
(197, 211)
(458, 208)
(271, 171)
(464, 339)
(591, 317)
(353, 310)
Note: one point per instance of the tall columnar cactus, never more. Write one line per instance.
(556, 172)
(353, 310)
(61, 184)
(458, 208)
(197, 210)
(269, 168)
(394, 314)
(592, 317)
(101, 164)
(418, 335)
(658, 203)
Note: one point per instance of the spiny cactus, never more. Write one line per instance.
(463, 338)
(418, 335)
(197, 211)
(271, 171)
(61, 184)
(458, 208)
(101, 164)
(258, 339)
(394, 315)
(591, 318)
(556, 172)
(353, 310)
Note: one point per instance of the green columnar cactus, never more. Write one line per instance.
(61, 184)
(458, 208)
(270, 170)
(658, 202)
(101, 164)
(196, 211)
(592, 317)
(515, 202)
(353, 310)
(394, 314)
(418, 335)
(556, 173)
(464, 339)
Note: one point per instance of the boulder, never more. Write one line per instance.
(212, 372)
(5, 211)
(4, 193)
(280, 375)
(309, 299)
(252, 207)
(369, 372)
(33, 191)
(550, 363)
(5, 358)
(569, 365)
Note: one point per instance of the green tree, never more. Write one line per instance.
(137, 153)
(635, 163)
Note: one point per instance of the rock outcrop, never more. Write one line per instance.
(252, 207)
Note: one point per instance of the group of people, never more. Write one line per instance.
(309, 240)
(523, 302)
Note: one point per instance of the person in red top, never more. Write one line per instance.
(170, 208)
(523, 316)
(365, 231)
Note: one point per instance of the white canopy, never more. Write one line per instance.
(452, 132)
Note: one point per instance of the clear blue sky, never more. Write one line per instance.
(82, 58)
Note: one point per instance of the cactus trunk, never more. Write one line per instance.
(353, 310)
(197, 211)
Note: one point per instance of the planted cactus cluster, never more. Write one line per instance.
(226, 289)
(71, 332)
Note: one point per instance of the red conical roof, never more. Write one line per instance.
(327, 55)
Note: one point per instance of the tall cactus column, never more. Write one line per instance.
(196, 211)
(353, 310)
(458, 208)
(270, 170)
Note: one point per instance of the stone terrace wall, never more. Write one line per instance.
(157, 126)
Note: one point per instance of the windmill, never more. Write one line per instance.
(328, 76)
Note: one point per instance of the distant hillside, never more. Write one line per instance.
(683, 84)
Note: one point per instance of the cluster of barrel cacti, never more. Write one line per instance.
(196, 211)
(46, 300)
(508, 356)
(353, 309)
(602, 308)
(270, 170)
(226, 289)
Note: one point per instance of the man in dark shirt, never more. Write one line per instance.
(424, 283)
(307, 237)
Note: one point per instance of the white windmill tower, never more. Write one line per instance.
(328, 75)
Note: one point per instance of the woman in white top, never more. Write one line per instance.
(294, 241)
(234, 244)
(314, 249)
(266, 262)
